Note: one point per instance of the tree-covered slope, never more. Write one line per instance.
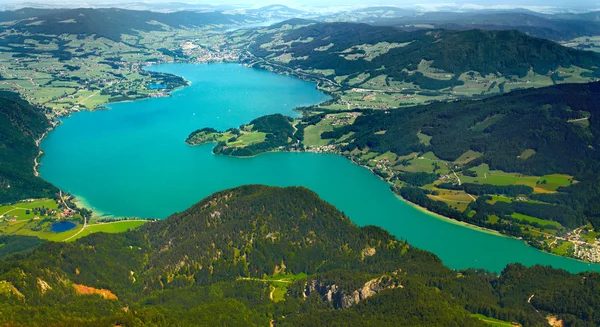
(20, 126)
(221, 261)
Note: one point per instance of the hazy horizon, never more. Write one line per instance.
(331, 5)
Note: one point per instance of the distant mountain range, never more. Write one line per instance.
(554, 27)
(111, 23)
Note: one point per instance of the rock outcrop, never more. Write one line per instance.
(342, 299)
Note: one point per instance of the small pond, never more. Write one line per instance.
(62, 226)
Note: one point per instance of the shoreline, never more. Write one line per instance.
(36, 163)
(78, 200)
(457, 222)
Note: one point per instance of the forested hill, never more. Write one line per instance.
(20, 125)
(254, 254)
(110, 23)
(353, 49)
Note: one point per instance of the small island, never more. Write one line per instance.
(267, 133)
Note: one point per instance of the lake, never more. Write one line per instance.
(131, 160)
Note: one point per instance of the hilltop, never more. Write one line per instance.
(248, 255)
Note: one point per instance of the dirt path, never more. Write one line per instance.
(267, 280)
(91, 95)
(460, 183)
(578, 119)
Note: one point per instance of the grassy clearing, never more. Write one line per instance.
(540, 184)
(499, 198)
(493, 321)
(563, 248)
(480, 126)
(424, 138)
(312, 134)
(526, 154)
(541, 222)
(278, 284)
(425, 68)
(247, 138)
(467, 157)
(457, 199)
(111, 227)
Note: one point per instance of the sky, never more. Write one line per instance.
(335, 4)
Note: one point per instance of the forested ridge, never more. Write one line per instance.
(504, 52)
(20, 126)
(189, 270)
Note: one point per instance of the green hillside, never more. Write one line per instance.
(222, 260)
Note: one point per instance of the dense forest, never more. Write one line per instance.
(20, 126)
(211, 264)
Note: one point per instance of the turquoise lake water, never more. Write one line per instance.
(131, 160)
